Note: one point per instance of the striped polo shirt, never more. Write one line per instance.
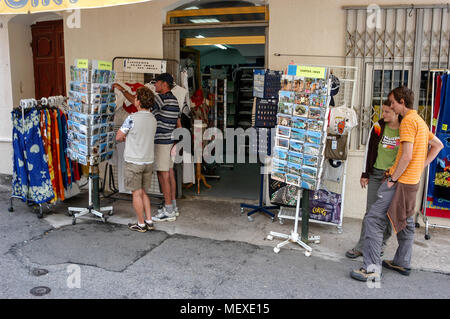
(166, 112)
(413, 129)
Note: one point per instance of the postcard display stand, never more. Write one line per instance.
(298, 154)
(91, 126)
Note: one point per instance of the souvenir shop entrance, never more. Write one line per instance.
(219, 48)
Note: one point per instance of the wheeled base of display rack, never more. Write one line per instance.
(293, 238)
(259, 208)
(428, 225)
(39, 212)
(77, 212)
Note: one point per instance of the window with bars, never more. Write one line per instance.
(393, 46)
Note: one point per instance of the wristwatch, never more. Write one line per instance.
(391, 180)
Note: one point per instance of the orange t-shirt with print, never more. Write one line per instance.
(413, 129)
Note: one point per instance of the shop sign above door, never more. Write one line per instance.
(144, 66)
(31, 6)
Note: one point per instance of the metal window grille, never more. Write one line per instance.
(393, 46)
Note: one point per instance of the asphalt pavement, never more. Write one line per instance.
(94, 260)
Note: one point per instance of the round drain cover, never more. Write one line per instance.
(40, 291)
(39, 272)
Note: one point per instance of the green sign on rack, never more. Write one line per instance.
(82, 63)
(311, 72)
(104, 65)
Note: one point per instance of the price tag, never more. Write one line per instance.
(334, 145)
(82, 63)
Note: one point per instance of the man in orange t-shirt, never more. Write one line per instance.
(397, 195)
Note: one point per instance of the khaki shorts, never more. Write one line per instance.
(163, 160)
(138, 176)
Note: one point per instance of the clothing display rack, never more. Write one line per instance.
(48, 194)
(434, 128)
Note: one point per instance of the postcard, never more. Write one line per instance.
(285, 108)
(283, 131)
(280, 153)
(309, 172)
(322, 86)
(284, 120)
(286, 97)
(316, 86)
(308, 183)
(317, 100)
(298, 84)
(310, 160)
(298, 134)
(299, 122)
(278, 176)
(295, 169)
(279, 165)
(287, 82)
(315, 125)
(309, 85)
(295, 157)
(282, 142)
(311, 149)
(316, 113)
(300, 110)
(296, 146)
(313, 137)
(293, 180)
(302, 98)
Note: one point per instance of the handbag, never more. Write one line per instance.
(282, 194)
(336, 147)
(325, 206)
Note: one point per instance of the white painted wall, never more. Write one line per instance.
(21, 53)
(6, 100)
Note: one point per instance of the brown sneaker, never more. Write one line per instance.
(136, 227)
(389, 264)
(149, 226)
(353, 253)
(363, 275)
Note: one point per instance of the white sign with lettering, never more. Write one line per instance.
(144, 66)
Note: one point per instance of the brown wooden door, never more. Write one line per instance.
(48, 58)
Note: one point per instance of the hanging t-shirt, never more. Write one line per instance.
(342, 120)
(387, 148)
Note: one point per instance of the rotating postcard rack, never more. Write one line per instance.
(301, 131)
(91, 126)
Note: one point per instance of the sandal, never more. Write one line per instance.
(353, 253)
